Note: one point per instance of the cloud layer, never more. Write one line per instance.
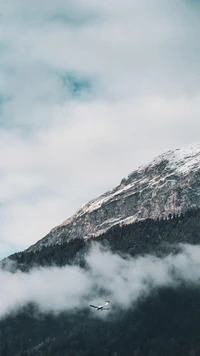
(122, 280)
(88, 92)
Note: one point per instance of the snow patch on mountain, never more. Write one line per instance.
(169, 184)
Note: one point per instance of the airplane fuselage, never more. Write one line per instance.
(100, 307)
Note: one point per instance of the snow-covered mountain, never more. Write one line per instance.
(169, 184)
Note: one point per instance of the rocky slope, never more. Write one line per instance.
(169, 184)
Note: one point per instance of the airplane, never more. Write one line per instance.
(101, 307)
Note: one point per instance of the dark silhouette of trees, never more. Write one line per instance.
(166, 323)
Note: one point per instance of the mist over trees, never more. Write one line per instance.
(164, 323)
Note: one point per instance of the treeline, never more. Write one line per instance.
(158, 237)
(166, 323)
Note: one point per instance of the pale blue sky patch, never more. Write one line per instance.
(7, 249)
(33, 90)
(4, 121)
(4, 47)
(3, 100)
(40, 13)
(78, 86)
(74, 19)
(193, 3)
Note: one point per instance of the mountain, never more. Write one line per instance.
(152, 212)
(169, 184)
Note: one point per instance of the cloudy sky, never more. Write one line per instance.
(89, 90)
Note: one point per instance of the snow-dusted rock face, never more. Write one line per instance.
(169, 184)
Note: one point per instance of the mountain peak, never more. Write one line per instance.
(169, 184)
(180, 159)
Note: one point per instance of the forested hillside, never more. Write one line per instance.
(165, 323)
(158, 237)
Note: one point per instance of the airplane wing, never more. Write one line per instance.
(106, 308)
(93, 306)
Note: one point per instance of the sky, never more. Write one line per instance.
(89, 91)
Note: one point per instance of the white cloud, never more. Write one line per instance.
(123, 280)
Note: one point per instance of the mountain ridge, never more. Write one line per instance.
(167, 185)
